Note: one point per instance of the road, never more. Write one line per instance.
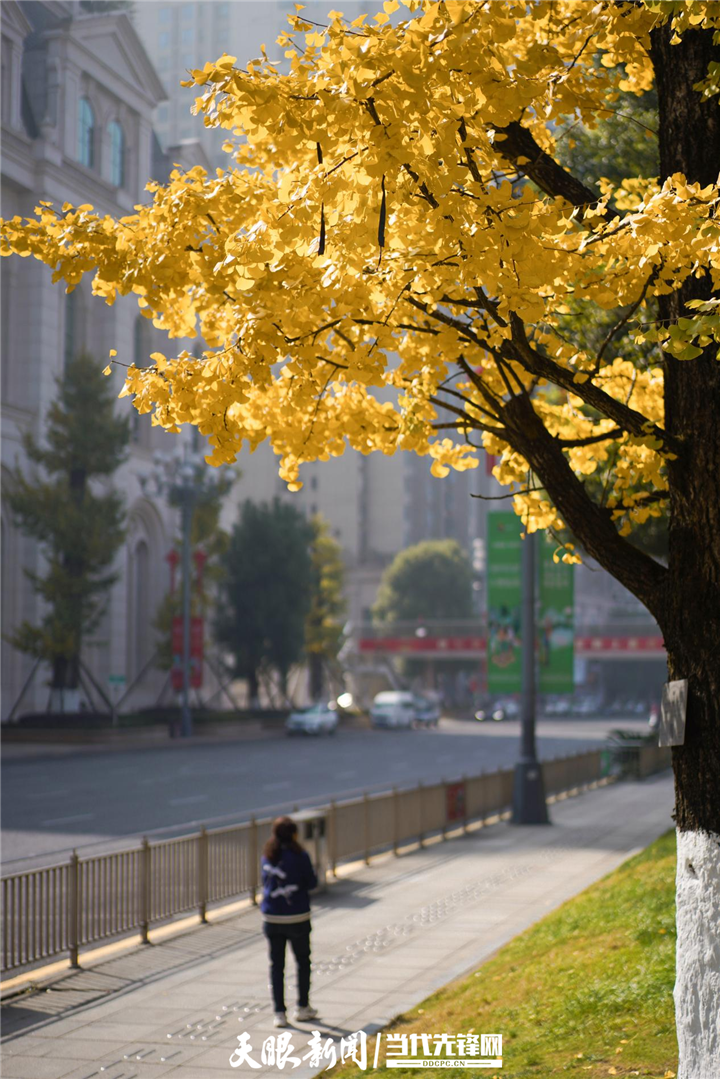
(107, 800)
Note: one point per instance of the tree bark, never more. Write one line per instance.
(66, 669)
(690, 614)
(690, 143)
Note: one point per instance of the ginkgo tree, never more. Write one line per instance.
(389, 262)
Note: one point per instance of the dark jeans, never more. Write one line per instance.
(298, 934)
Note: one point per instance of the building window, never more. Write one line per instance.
(117, 154)
(164, 40)
(187, 37)
(187, 11)
(140, 621)
(86, 134)
(164, 14)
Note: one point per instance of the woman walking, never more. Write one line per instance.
(287, 880)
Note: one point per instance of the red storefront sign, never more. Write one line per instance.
(584, 646)
(422, 644)
(589, 646)
(197, 637)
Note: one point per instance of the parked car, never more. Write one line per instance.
(393, 708)
(509, 707)
(317, 719)
(504, 708)
(427, 710)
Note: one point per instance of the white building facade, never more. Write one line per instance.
(78, 95)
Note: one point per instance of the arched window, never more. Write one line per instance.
(86, 134)
(140, 611)
(117, 153)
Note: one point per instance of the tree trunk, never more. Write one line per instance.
(690, 612)
(315, 670)
(66, 668)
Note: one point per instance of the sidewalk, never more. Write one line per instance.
(384, 938)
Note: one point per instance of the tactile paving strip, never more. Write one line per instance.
(425, 918)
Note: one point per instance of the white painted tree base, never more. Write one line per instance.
(697, 984)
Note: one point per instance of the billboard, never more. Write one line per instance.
(555, 623)
(504, 595)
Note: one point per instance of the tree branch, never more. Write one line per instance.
(592, 524)
(543, 170)
(468, 420)
(573, 443)
(627, 418)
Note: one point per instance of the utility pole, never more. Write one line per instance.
(187, 497)
(529, 790)
(184, 479)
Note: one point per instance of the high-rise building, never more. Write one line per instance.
(179, 36)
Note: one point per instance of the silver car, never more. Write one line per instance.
(317, 719)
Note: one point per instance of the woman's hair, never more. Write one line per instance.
(284, 834)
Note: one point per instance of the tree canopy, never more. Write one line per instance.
(267, 590)
(430, 580)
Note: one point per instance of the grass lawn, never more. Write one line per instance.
(586, 992)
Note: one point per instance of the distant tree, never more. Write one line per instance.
(323, 625)
(77, 525)
(268, 591)
(428, 581)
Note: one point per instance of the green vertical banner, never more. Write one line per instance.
(504, 595)
(555, 626)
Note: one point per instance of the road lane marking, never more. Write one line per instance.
(68, 820)
(276, 786)
(188, 799)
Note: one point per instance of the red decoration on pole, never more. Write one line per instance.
(173, 558)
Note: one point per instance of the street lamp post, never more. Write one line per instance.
(187, 506)
(529, 805)
(185, 480)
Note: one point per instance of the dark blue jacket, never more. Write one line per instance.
(286, 887)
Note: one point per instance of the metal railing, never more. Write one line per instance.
(60, 909)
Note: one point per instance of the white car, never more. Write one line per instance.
(317, 719)
(393, 709)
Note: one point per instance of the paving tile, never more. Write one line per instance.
(37, 1067)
